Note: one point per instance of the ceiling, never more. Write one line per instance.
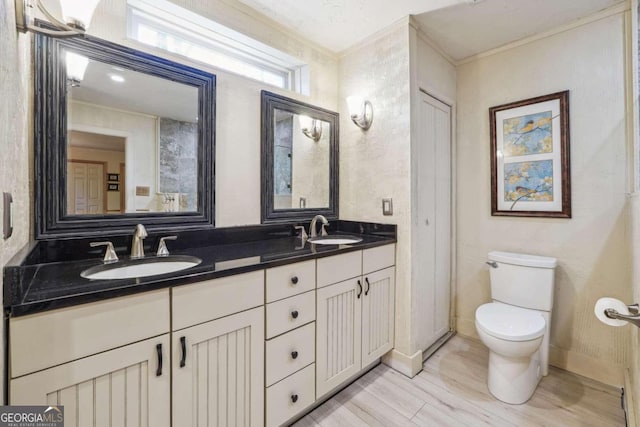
(468, 29)
(460, 27)
(139, 93)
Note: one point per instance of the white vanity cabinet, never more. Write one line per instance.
(218, 352)
(290, 345)
(103, 361)
(355, 317)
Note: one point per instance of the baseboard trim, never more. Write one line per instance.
(629, 401)
(408, 366)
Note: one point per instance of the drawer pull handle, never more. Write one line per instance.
(359, 289)
(294, 355)
(294, 314)
(159, 351)
(366, 279)
(183, 346)
(294, 280)
(294, 398)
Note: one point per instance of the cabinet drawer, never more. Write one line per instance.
(287, 314)
(338, 268)
(212, 299)
(291, 279)
(290, 352)
(280, 396)
(375, 259)
(48, 339)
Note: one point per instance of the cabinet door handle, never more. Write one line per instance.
(294, 355)
(359, 289)
(183, 346)
(294, 314)
(159, 351)
(294, 280)
(366, 279)
(294, 398)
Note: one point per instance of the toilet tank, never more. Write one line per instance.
(522, 280)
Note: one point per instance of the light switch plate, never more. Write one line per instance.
(387, 207)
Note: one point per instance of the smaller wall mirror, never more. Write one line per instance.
(299, 160)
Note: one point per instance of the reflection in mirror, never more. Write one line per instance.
(131, 141)
(300, 162)
(122, 137)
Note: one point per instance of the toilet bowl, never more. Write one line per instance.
(516, 325)
(513, 336)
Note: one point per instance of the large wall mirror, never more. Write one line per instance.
(122, 137)
(299, 160)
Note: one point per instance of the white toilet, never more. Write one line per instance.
(515, 326)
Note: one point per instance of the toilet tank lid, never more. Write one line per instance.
(523, 259)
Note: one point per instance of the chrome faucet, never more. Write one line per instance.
(137, 248)
(312, 227)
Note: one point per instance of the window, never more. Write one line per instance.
(163, 25)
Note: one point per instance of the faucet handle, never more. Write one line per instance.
(303, 233)
(162, 246)
(110, 254)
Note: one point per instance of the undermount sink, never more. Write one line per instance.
(335, 239)
(144, 267)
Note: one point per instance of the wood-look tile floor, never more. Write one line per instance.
(452, 391)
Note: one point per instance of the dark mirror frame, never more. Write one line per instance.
(269, 103)
(50, 145)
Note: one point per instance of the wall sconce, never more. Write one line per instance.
(76, 66)
(75, 13)
(311, 128)
(361, 111)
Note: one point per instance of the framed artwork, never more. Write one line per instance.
(112, 187)
(530, 170)
(113, 177)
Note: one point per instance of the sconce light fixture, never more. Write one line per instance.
(361, 111)
(76, 15)
(76, 66)
(311, 128)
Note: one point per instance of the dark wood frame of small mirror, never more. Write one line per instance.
(50, 148)
(270, 102)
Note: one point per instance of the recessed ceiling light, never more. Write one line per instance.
(117, 78)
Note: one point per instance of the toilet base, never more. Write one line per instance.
(513, 379)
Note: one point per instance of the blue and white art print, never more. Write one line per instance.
(530, 168)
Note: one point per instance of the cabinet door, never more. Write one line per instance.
(378, 314)
(338, 334)
(119, 387)
(221, 381)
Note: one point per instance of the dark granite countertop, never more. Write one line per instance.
(46, 276)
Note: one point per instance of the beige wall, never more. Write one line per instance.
(592, 248)
(376, 164)
(634, 204)
(15, 137)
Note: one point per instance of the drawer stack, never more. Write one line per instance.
(290, 345)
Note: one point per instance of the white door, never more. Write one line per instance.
(218, 372)
(121, 387)
(85, 186)
(338, 333)
(432, 221)
(378, 314)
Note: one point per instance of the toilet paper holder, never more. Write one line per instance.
(633, 317)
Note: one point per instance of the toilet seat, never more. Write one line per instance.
(510, 323)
